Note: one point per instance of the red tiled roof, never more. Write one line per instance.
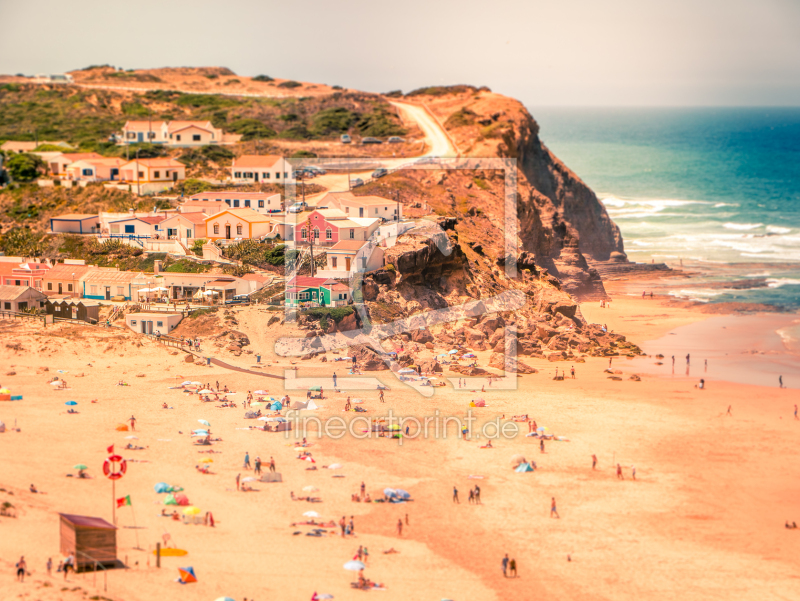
(307, 281)
(253, 161)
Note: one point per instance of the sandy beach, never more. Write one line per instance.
(704, 518)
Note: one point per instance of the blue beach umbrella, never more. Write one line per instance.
(70, 403)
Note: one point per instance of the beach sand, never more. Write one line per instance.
(703, 520)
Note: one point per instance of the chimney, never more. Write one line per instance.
(130, 211)
(156, 267)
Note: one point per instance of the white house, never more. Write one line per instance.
(75, 223)
(235, 224)
(173, 133)
(151, 323)
(362, 206)
(268, 169)
(258, 201)
(351, 256)
(146, 227)
(21, 298)
(184, 225)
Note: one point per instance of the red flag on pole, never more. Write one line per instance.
(123, 501)
(110, 449)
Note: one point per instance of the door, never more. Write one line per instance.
(108, 292)
(174, 176)
(140, 137)
(188, 233)
(228, 232)
(59, 287)
(144, 327)
(114, 174)
(149, 327)
(360, 211)
(256, 175)
(347, 263)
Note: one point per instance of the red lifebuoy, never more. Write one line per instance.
(108, 467)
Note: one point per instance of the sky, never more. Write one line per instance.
(545, 53)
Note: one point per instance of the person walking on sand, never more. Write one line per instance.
(572, 372)
(512, 568)
(477, 495)
(541, 445)
(133, 423)
(795, 412)
(505, 566)
(455, 496)
(633, 472)
(609, 362)
(342, 525)
(688, 359)
(21, 567)
(729, 411)
(381, 396)
(49, 566)
(363, 489)
(619, 472)
(471, 497)
(246, 460)
(553, 509)
(334, 379)
(594, 461)
(406, 519)
(399, 527)
(272, 464)
(780, 381)
(238, 477)
(258, 465)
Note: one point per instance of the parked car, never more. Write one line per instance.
(395, 140)
(379, 173)
(345, 139)
(316, 170)
(297, 207)
(356, 182)
(241, 299)
(371, 141)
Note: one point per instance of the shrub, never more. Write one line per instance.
(263, 78)
(134, 109)
(147, 151)
(303, 154)
(206, 100)
(24, 167)
(297, 132)
(252, 129)
(289, 84)
(337, 314)
(203, 311)
(51, 148)
(197, 246)
(332, 121)
(394, 94)
(21, 241)
(461, 118)
(188, 187)
(379, 123)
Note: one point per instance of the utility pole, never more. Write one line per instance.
(138, 186)
(311, 244)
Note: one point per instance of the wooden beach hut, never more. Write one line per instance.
(89, 540)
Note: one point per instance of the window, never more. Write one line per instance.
(120, 290)
(195, 138)
(130, 229)
(228, 201)
(17, 282)
(363, 262)
(277, 176)
(247, 204)
(93, 290)
(133, 322)
(376, 211)
(285, 174)
(237, 174)
(58, 308)
(151, 135)
(160, 324)
(328, 234)
(141, 174)
(235, 203)
(8, 306)
(131, 135)
(266, 175)
(49, 285)
(316, 233)
(69, 287)
(303, 233)
(333, 262)
(260, 204)
(248, 175)
(216, 228)
(87, 172)
(178, 137)
(347, 210)
(352, 234)
(156, 174)
(238, 230)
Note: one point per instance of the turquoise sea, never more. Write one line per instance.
(716, 190)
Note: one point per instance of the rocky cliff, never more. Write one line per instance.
(561, 221)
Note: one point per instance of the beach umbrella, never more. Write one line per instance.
(315, 388)
(186, 383)
(122, 427)
(406, 370)
(131, 437)
(187, 575)
(389, 492)
(200, 431)
(263, 419)
(324, 596)
(311, 514)
(277, 406)
(182, 500)
(256, 404)
(161, 487)
(524, 467)
(224, 599)
(354, 566)
(452, 352)
(191, 510)
(249, 479)
(335, 466)
(310, 489)
(204, 422)
(80, 466)
(5, 391)
(55, 383)
(207, 460)
(170, 500)
(196, 383)
(402, 494)
(70, 403)
(260, 392)
(309, 458)
(206, 391)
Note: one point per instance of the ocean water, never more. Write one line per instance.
(716, 190)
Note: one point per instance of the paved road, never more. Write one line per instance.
(439, 144)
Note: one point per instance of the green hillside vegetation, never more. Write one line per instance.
(86, 118)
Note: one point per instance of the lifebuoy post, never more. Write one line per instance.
(114, 467)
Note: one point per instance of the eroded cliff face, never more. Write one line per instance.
(561, 220)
